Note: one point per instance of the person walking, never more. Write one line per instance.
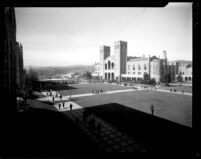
(53, 99)
(71, 106)
(59, 106)
(182, 91)
(63, 104)
(152, 109)
(60, 97)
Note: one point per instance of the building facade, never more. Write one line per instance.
(19, 63)
(8, 62)
(120, 67)
(185, 70)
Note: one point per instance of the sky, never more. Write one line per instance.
(73, 36)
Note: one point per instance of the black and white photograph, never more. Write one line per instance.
(95, 80)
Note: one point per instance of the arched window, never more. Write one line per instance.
(189, 78)
(106, 66)
(112, 65)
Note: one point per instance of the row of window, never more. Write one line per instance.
(139, 73)
(116, 46)
(184, 73)
(139, 68)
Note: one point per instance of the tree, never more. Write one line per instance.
(31, 80)
(87, 75)
(167, 78)
(146, 79)
(180, 78)
(152, 81)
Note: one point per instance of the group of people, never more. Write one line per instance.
(88, 118)
(97, 91)
(63, 104)
(174, 90)
(153, 87)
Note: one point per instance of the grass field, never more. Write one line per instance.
(180, 88)
(87, 88)
(174, 107)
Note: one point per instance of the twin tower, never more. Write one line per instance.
(111, 67)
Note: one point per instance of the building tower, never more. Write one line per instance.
(120, 59)
(104, 53)
(164, 64)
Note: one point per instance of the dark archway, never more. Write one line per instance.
(106, 66)
(108, 75)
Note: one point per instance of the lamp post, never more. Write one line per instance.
(70, 92)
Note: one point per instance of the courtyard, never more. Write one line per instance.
(170, 106)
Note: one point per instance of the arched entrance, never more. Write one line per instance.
(108, 75)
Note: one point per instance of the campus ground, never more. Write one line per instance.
(171, 106)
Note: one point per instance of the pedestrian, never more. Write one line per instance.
(59, 106)
(63, 104)
(60, 97)
(152, 109)
(182, 91)
(71, 106)
(53, 99)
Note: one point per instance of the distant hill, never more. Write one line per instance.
(50, 71)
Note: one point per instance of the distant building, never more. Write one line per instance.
(119, 66)
(185, 70)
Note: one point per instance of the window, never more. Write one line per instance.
(139, 67)
(145, 67)
(139, 73)
(133, 72)
(106, 66)
(133, 67)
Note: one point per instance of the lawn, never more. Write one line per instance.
(174, 107)
(180, 88)
(87, 88)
